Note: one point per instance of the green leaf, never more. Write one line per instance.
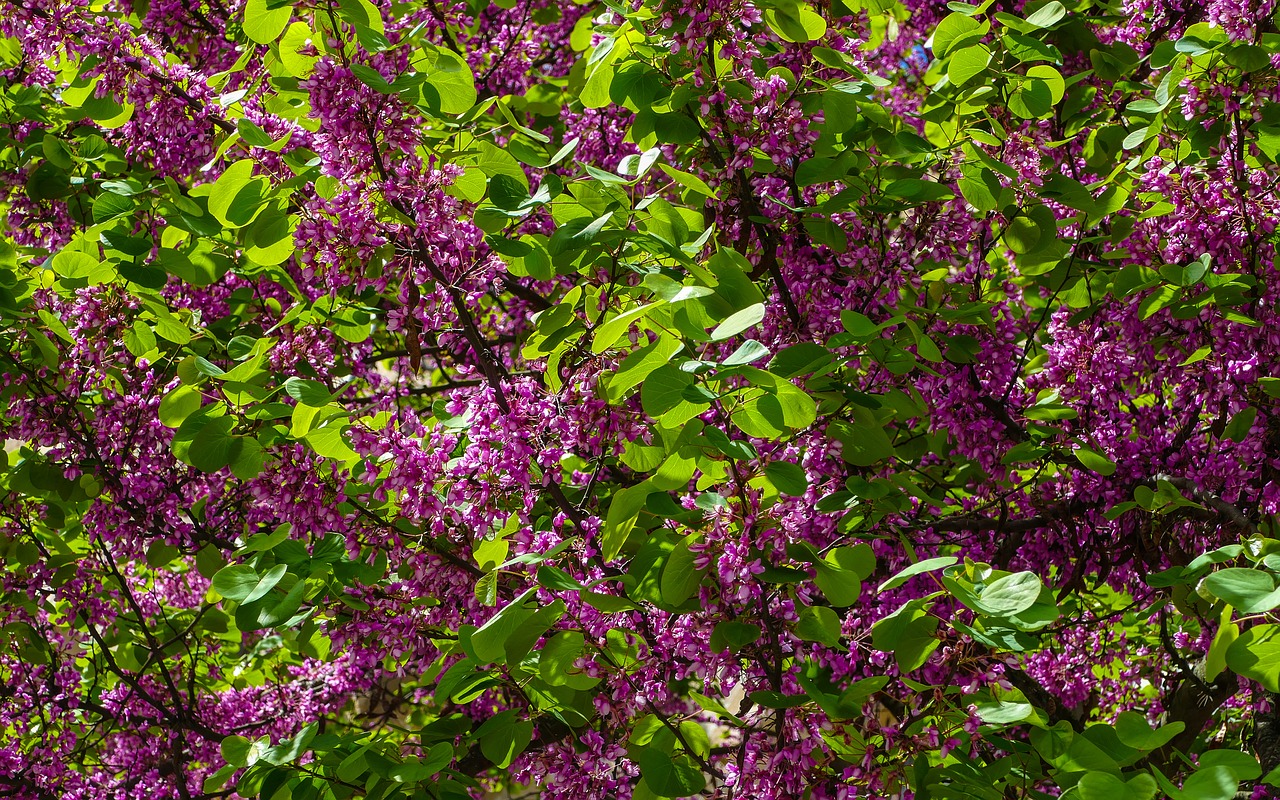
(747, 352)
(1095, 461)
(841, 586)
(664, 389)
(294, 48)
(354, 765)
(503, 737)
(506, 192)
(680, 577)
(781, 408)
(557, 657)
(715, 707)
(919, 568)
(1216, 659)
(690, 181)
(1211, 783)
(56, 152)
(107, 206)
(1004, 713)
(1241, 423)
(1011, 594)
(668, 776)
(235, 750)
(1251, 591)
(733, 636)
(1106, 786)
(800, 359)
(235, 582)
(266, 583)
(292, 748)
(76, 264)
(858, 325)
(233, 196)
(954, 28)
(281, 609)
(624, 507)
(610, 332)
(450, 87)
(213, 447)
(269, 239)
(1052, 79)
(489, 641)
(264, 25)
(909, 633)
(1244, 766)
(1069, 192)
(789, 478)
(1030, 231)
(309, 393)
(770, 699)
(866, 444)
(1134, 731)
(795, 21)
(1256, 655)
(858, 559)
(521, 642)
(362, 14)
(1031, 98)
(638, 366)
(179, 404)
(968, 63)
(596, 92)
(738, 322)
(819, 624)
(1047, 15)
(416, 770)
(161, 554)
(918, 190)
(1158, 300)
(330, 443)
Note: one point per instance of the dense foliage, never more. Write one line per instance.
(775, 399)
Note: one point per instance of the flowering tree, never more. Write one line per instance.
(788, 399)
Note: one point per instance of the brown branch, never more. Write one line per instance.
(1232, 514)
